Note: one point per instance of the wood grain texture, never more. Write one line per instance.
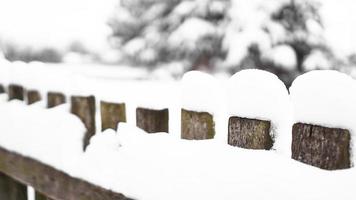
(84, 108)
(55, 99)
(197, 125)
(152, 121)
(249, 133)
(16, 92)
(51, 182)
(112, 114)
(326, 148)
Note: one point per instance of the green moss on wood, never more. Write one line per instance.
(197, 125)
(112, 114)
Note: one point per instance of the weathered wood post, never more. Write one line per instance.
(112, 114)
(55, 99)
(2, 89)
(326, 148)
(84, 108)
(197, 125)
(33, 96)
(249, 133)
(10, 189)
(152, 121)
(199, 102)
(16, 92)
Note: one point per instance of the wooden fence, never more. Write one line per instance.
(49, 183)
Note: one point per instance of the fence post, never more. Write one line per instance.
(54, 99)
(112, 114)
(2, 89)
(197, 125)
(10, 189)
(249, 133)
(33, 96)
(152, 121)
(16, 92)
(326, 148)
(84, 108)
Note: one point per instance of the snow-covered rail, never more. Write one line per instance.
(252, 110)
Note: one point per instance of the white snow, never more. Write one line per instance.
(200, 92)
(257, 94)
(325, 98)
(283, 55)
(159, 166)
(316, 60)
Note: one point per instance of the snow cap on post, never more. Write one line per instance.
(199, 103)
(261, 97)
(324, 119)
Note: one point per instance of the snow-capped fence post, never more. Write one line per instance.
(16, 92)
(33, 96)
(324, 124)
(249, 133)
(10, 189)
(326, 148)
(199, 102)
(84, 108)
(257, 101)
(112, 114)
(152, 121)
(55, 99)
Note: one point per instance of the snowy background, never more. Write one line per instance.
(169, 37)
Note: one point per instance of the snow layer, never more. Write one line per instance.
(200, 92)
(325, 98)
(257, 94)
(159, 166)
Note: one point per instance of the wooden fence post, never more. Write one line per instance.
(84, 108)
(249, 133)
(10, 189)
(112, 114)
(197, 125)
(326, 148)
(16, 92)
(2, 89)
(55, 99)
(152, 121)
(33, 96)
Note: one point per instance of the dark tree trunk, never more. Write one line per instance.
(250, 133)
(326, 148)
(197, 125)
(152, 121)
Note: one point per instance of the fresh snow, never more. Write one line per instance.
(160, 166)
